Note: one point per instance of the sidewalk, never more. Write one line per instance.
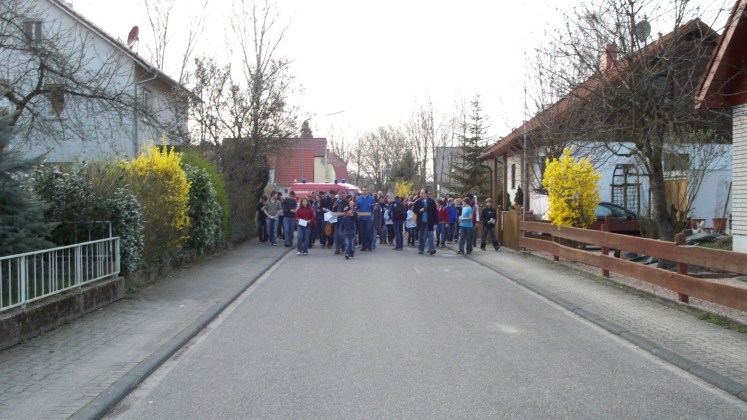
(55, 375)
(715, 354)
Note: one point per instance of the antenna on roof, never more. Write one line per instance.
(642, 30)
(133, 37)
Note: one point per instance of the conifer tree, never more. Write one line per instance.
(22, 226)
(467, 174)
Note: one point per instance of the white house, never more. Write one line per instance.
(82, 93)
(724, 86)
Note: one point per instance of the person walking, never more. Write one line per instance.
(346, 226)
(388, 222)
(304, 217)
(425, 209)
(489, 217)
(466, 226)
(365, 206)
(289, 205)
(451, 209)
(410, 225)
(398, 214)
(378, 219)
(443, 220)
(327, 201)
(340, 206)
(260, 219)
(272, 211)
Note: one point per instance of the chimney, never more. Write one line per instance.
(609, 56)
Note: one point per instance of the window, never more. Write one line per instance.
(676, 162)
(146, 100)
(32, 29)
(663, 85)
(56, 96)
(513, 176)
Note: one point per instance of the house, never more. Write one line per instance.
(518, 159)
(82, 93)
(724, 86)
(306, 159)
(447, 157)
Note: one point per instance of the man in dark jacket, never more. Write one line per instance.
(425, 209)
(289, 205)
(489, 217)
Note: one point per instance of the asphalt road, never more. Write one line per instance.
(400, 335)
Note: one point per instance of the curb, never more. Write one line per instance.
(716, 379)
(116, 392)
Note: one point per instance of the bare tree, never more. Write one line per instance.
(244, 113)
(381, 150)
(59, 83)
(642, 91)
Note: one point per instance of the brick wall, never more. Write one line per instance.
(739, 186)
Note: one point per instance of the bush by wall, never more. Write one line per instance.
(191, 155)
(205, 212)
(162, 189)
(84, 197)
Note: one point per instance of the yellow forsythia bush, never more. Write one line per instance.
(573, 188)
(161, 186)
(402, 188)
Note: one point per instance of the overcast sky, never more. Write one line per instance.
(377, 61)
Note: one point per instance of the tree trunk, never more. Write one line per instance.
(659, 197)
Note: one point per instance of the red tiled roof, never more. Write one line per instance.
(586, 89)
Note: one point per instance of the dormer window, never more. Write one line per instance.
(33, 30)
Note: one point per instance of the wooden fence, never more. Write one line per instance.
(545, 237)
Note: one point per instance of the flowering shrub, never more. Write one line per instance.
(204, 210)
(402, 187)
(162, 189)
(87, 195)
(573, 191)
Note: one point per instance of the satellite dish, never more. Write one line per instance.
(642, 30)
(133, 36)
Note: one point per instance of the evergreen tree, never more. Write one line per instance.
(405, 168)
(306, 132)
(467, 174)
(22, 226)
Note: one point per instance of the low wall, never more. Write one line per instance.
(21, 323)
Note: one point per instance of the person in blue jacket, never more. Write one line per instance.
(365, 204)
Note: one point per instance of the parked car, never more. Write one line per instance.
(615, 212)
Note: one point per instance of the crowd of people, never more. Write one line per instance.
(336, 220)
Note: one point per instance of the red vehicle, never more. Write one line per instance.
(306, 189)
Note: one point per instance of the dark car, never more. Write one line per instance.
(615, 212)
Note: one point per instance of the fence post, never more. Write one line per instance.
(21, 280)
(78, 265)
(606, 250)
(679, 239)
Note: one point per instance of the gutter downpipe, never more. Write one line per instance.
(135, 137)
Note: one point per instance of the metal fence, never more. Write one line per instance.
(35, 275)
